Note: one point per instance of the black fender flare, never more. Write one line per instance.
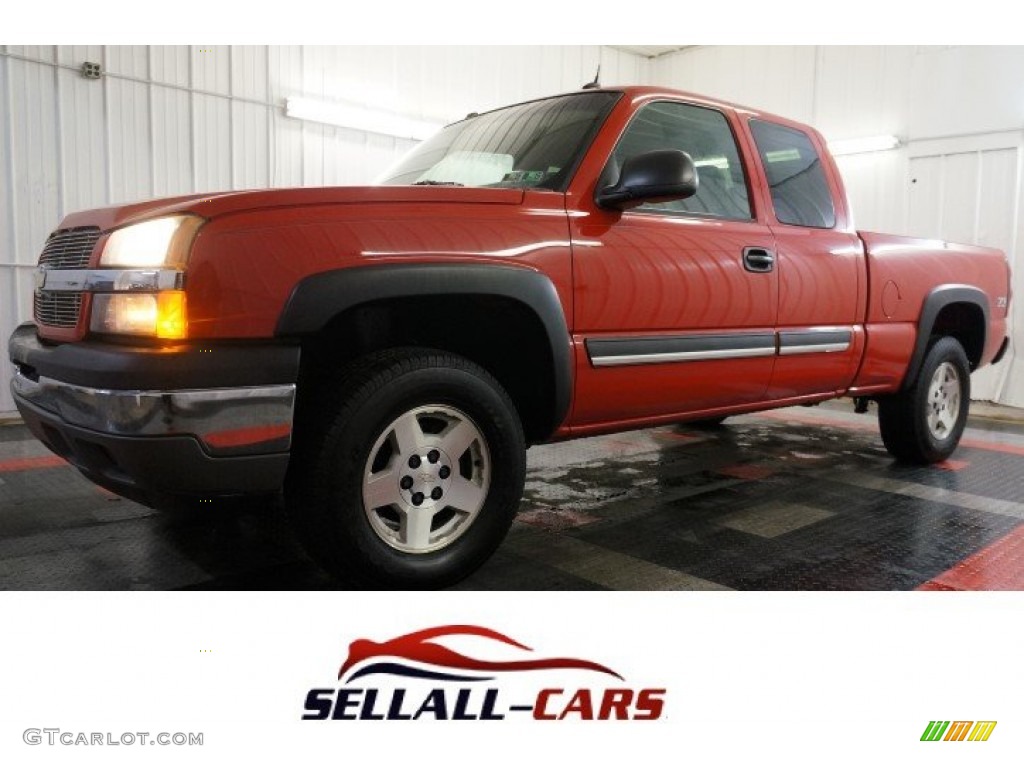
(317, 299)
(937, 300)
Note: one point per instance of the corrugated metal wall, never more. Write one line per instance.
(959, 111)
(166, 120)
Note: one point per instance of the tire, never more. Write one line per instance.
(409, 472)
(924, 423)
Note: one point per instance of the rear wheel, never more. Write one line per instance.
(924, 423)
(412, 472)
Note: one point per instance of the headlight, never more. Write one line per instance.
(158, 243)
(162, 245)
(161, 314)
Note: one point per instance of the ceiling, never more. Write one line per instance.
(651, 51)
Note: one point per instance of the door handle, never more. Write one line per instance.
(757, 259)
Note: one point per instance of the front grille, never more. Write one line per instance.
(64, 249)
(69, 248)
(58, 310)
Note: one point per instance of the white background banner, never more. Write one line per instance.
(787, 679)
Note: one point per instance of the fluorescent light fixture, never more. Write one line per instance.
(868, 144)
(781, 155)
(360, 118)
(713, 162)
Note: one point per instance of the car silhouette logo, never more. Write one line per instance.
(423, 655)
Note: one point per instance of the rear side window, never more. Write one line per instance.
(705, 135)
(800, 193)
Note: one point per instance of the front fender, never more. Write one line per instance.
(319, 298)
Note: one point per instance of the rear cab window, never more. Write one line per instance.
(796, 179)
(704, 134)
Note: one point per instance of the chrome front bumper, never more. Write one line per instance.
(236, 421)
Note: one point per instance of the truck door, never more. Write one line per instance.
(675, 303)
(820, 263)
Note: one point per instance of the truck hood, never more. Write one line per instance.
(222, 203)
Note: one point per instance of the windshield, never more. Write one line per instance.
(534, 145)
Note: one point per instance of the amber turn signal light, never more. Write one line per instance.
(171, 315)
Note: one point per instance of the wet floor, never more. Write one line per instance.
(794, 499)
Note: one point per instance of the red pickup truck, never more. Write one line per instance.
(598, 261)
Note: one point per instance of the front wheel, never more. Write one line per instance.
(412, 473)
(924, 423)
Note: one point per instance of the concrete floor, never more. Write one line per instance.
(793, 499)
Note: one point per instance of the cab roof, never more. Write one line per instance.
(646, 92)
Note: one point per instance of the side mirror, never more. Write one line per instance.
(653, 177)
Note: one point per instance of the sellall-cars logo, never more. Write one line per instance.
(420, 676)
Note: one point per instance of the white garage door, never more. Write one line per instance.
(971, 197)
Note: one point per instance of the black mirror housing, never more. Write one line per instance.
(653, 177)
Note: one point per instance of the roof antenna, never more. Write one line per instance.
(596, 82)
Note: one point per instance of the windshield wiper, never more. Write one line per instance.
(432, 183)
